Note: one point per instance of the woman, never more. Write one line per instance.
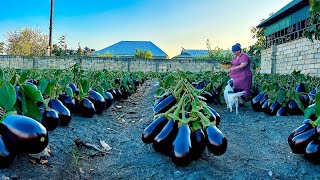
(240, 72)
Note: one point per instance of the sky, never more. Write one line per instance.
(169, 24)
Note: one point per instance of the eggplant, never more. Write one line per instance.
(215, 114)
(153, 129)
(124, 93)
(136, 82)
(50, 119)
(108, 99)
(262, 100)
(22, 134)
(181, 146)
(299, 142)
(312, 96)
(68, 101)
(207, 96)
(6, 157)
(216, 142)
(118, 93)
(300, 88)
(274, 107)
(114, 94)
(86, 108)
(293, 109)
(163, 141)
(304, 100)
(306, 126)
(266, 108)
(282, 112)
(165, 105)
(313, 151)
(63, 111)
(158, 100)
(74, 89)
(98, 101)
(255, 102)
(198, 143)
(116, 80)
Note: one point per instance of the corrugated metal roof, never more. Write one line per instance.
(125, 48)
(290, 8)
(195, 52)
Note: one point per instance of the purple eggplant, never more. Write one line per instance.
(86, 108)
(50, 119)
(163, 141)
(274, 107)
(98, 101)
(108, 99)
(181, 146)
(255, 102)
(153, 129)
(216, 141)
(74, 89)
(293, 109)
(68, 101)
(312, 152)
(306, 126)
(282, 112)
(198, 143)
(63, 111)
(165, 105)
(22, 134)
(299, 142)
(214, 115)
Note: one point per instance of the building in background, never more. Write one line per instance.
(127, 49)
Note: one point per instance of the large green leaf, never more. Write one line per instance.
(1, 77)
(33, 110)
(24, 76)
(42, 85)
(85, 85)
(31, 92)
(281, 95)
(50, 88)
(169, 80)
(309, 111)
(8, 96)
(317, 104)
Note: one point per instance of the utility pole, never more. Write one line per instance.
(50, 28)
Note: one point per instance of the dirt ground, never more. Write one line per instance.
(257, 148)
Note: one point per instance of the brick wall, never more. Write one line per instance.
(97, 63)
(300, 54)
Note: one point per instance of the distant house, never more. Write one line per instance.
(191, 54)
(127, 49)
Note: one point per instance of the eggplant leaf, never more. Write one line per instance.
(32, 93)
(281, 95)
(317, 104)
(33, 110)
(1, 77)
(309, 111)
(8, 96)
(23, 76)
(43, 83)
(160, 91)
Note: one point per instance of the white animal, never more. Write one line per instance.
(231, 98)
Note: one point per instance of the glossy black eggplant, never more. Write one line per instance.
(98, 101)
(312, 96)
(108, 99)
(216, 141)
(116, 80)
(6, 157)
(163, 141)
(299, 142)
(305, 126)
(198, 143)
(86, 108)
(255, 102)
(265, 107)
(214, 114)
(124, 93)
(313, 151)
(22, 134)
(153, 129)
(293, 109)
(304, 100)
(262, 100)
(69, 102)
(274, 107)
(165, 105)
(114, 94)
(181, 154)
(300, 88)
(50, 119)
(158, 100)
(282, 112)
(63, 111)
(119, 94)
(74, 88)
(208, 96)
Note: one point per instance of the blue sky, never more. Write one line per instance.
(170, 24)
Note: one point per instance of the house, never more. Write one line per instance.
(190, 54)
(127, 49)
(286, 49)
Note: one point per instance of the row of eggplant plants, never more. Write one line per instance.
(305, 139)
(36, 102)
(183, 124)
(284, 95)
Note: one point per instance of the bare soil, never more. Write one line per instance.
(257, 148)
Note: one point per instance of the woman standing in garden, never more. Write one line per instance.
(240, 72)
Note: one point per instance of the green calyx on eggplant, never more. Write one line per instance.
(198, 143)
(312, 152)
(50, 119)
(181, 146)
(216, 142)
(86, 108)
(299, 142)
(98, 101)
(63, 111)
(68, 101)
(6, 157)
(165, 105)
(22, 134)
(153, 129)
(163, 141)
(108, 99)
(255, 102)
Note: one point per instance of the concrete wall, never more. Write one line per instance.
(97, 63)
(300, 54)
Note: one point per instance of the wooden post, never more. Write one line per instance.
(50, 28)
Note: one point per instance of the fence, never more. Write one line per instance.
(100, 63)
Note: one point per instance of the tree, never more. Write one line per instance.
(2, 47)
(313, 31)
(60, 49)
(143, 54)
(26, 42)
(79, 50)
